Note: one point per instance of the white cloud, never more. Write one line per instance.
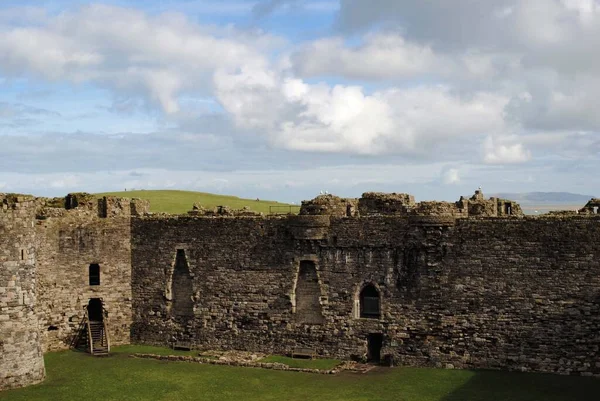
(157, 57)
(420, 81)
(544, 47)
(496, 151)
(451, 176)
(65, 181)
(343, 118)
(381, 56)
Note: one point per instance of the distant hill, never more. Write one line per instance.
(180, 202)
(545, 197)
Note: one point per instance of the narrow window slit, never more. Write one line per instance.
(94, 274)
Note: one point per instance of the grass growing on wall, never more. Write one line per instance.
(79, 376)
(179, 202)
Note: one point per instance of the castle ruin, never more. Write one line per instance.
(468, 284)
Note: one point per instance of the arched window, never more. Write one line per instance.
(94, 274)
(369, 302)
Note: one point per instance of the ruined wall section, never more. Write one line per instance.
(21, 359)
(241, 280)
(329, 205)
(487, 292)
(68, 241)
(379, 203)
(519, 294)
(245, 280)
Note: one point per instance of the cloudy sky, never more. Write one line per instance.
(283, 98)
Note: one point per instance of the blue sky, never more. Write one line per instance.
(284, 98)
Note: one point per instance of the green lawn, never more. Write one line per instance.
(178, 202)
(149, 349)
(79, 376)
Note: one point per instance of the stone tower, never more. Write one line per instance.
(21, 359)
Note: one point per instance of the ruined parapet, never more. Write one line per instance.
(591, 208)
(222, 211)
(478, 206)
(81, 200)
(438, 209)
(329, 205)
(508, 208)
(309, 226)
(21, 359)
(379, 203)
(111, 206)
(139, 207)
(482, 208)
(85, 204)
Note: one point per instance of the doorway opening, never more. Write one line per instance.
(94, 310)
(374, 344)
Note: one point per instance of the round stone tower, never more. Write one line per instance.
(21, 359)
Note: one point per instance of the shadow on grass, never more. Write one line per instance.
(511, 386)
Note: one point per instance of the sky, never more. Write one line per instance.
(282, 99)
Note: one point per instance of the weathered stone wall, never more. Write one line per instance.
(490, 293)
(507, 292)
(68, 241)
(517, 294)
(379, 203)
(21, 360)
(329, 205)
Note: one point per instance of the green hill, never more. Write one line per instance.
(179, 202)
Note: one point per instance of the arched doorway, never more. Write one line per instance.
(94, 310)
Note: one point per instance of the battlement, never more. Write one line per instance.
(85, 204)
(401, 204)
(12, 202)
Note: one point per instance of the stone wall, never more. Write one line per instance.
(487, 293)
(21, 360)
(68, 242)
(329, 205)
(457, 288)
(379, 203)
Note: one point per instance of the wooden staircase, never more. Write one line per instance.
(98, 343)
(92, 336)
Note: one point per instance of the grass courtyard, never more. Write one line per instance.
(79, 376)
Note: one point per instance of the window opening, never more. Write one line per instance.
(369, 302)
(94, 274)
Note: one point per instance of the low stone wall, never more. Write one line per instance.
(262, 365)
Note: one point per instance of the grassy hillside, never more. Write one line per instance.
(178, 202)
